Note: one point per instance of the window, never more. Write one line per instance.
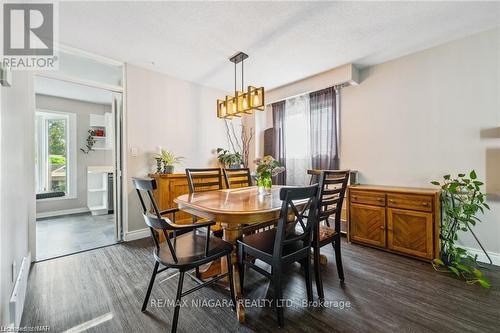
(55, 154)
(297, 140)
(307, 137)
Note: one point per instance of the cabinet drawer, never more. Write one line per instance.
(368, 198)
(410, 201)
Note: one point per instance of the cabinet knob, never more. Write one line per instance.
(426, 204)
(392, 200)
(382, 227)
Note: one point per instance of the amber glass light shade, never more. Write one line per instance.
(242, 103)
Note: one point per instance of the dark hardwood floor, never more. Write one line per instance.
(103, 290)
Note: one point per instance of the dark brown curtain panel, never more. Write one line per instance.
(279, 139)
(323, 132)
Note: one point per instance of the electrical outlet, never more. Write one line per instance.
(14, 270)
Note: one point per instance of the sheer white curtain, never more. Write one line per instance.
(298, 140)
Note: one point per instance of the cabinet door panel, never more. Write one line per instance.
(410, 232)
(367, 224)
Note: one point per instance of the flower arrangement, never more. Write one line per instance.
(267, 167)
(168, 160)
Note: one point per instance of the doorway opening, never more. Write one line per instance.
(78, 165)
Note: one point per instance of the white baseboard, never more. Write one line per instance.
(62, 212)
(495, 257)
(137, 234)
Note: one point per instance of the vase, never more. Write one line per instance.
(264, 184)
(235, 166)
(168, 169)
(159, 165)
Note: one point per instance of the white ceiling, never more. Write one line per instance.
(286, 41)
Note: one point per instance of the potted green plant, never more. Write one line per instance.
(462, 200)
(168, 159)
(267, 167)
(228, 159)
(90, 142)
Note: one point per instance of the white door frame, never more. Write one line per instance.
(120, 184)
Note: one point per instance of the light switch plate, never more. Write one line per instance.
(134, 151)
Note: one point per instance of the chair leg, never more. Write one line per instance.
(317, 274)
(151, 282)
(307, 272)
(177, 302)
(231, 282)
(241, 265)
(278, 296)
(338, 259)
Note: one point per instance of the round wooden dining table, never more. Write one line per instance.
(233, 209)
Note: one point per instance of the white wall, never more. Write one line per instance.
(98, 157)
(413, 119)
(17, 177)
(174, 114)
(416, 118)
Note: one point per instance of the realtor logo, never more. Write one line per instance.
(29, 35)
(28, 29)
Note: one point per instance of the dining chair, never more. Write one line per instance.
(202, 180)
(331, 192)
(235, 178)
(314, 173)
(180, 252)
(282, 245)
(206, 179)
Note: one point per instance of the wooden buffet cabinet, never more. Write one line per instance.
(397, 219)
(169, 187)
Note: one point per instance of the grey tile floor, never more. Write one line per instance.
(61, 235)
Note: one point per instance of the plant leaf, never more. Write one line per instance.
(454, 270)
(473, 175)
(438, 261)
(435, 183)
(483, 282)
(477, 273)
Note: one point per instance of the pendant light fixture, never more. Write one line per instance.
(243, 102)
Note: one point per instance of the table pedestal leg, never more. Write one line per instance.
(213, 269)
(232, 233)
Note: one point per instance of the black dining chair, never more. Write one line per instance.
(206, 179)
(180, 252)
(235, 178)
(283, 245)
(331, 193)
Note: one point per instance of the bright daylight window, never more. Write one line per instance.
(54, 158)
